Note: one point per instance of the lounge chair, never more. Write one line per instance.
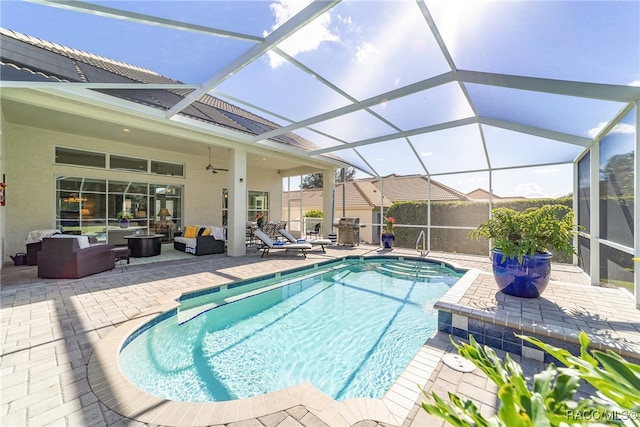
(315, 242)
(268, 243)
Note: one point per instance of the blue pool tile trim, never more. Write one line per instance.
(502, 337)
(200, 293)
(148, 325)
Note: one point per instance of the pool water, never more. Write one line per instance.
(348, 328)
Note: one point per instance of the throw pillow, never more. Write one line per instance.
(190, 231)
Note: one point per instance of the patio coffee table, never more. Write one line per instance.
(144, 245)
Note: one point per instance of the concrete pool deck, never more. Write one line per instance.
(54, 330)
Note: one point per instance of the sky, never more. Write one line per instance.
(364, 48)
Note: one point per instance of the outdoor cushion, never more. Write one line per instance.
(269, 243)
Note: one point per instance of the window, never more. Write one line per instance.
(69, 156)
(128, 164)
(225, 207)
(169, 197)
(90, 206)
(258, 204)
(163, 168)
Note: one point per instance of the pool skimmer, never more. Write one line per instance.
(458, 363)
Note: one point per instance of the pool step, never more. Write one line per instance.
(409, 270)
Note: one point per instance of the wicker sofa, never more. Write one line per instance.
(72, 257)
(201, 240)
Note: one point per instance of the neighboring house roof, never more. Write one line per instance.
(482, 194)
(415, 187)
(366, 192)
(26, 58)
(358, 195)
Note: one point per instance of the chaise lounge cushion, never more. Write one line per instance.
(314, 242)
(269, 243)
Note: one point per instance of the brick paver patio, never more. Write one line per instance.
(50, 328)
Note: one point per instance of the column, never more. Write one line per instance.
(237, 224)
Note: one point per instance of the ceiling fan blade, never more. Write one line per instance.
(210, 167)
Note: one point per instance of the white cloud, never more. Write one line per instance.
(365, 51)
(308, 38)
(593, 132)
(529, 190)
(635, 83)
(426, 153)
(623, 128)
(620, 128)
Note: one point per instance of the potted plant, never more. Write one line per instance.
(124, 218)
(522, 242)
(387, 236)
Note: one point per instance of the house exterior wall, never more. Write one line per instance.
(28, 162)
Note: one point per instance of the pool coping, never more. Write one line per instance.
(115, 391)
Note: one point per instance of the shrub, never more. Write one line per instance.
(314, 213)
(549, 401)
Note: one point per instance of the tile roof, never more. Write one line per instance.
(366, 192)
(415, 187)
(26, 58)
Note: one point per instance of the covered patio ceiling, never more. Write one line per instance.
(425, 87)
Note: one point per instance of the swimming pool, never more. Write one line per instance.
(348, 327)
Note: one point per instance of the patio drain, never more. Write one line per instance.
(458, 363)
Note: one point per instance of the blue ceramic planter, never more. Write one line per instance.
(527, 279)
(387, 240)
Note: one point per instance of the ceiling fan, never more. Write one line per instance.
(210, 168)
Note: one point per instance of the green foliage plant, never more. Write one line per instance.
(389, 223)
(313, 213)
(124, 216)
(536, 230)
(550, 400)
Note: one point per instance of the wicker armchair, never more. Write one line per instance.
(67, 258)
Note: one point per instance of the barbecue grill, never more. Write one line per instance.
(349, 231)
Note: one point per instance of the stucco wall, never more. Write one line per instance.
(28, 160)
